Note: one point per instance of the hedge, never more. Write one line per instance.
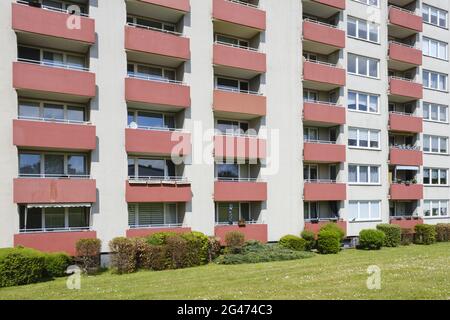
(407, 236)
(425, 234)
(293, 242)
(88, 254)
(334, 227)
(310, 238)
(328, 242)
(371, 239)
(393, 234)
(234, 241)
(443, 232)
(56, 264)
(123, 255)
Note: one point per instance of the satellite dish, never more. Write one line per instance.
(133, 125)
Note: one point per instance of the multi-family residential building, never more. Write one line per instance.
(129, 117)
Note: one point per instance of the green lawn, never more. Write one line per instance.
(415, 272)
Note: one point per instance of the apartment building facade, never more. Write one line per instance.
(129, 117)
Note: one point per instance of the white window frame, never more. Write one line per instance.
(367, 66)
(430, 137)
(369, 95)
(369, 131)
(66, 163)
(64, 56)
(430, 207)
(65, 106)
(427, 42)
(429, 105)
(165, 210)
(439, 170)
(163, 114)
(369, 25)
(358, 175)
(239, 89)
(358, 218)
(439, 75)
(239, 40)
(163, 23)
(439, 13)
(136, 165)
(163, 71)
(240, 212)
(369, 3)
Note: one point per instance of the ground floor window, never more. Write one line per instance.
(435, 208)
(364, 210)
(233, 212)
(153, 214)
(53, 218)
(402, 208)
(321, 210)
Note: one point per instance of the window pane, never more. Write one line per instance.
(75, 62)
(443, 114)
(151, 168)
(352, 174)
(435, 176)
(426, 176)
(362, 30)
(131, 168)
(352, 137)
(351, 27)
(228, 171)
(443, 145)
(374, 176)
(373, 68)
(362, 102)
(444, 208)
(78, 218)
(171, 214)
(374, 136)
(351, 63)
(34, 219)
(426, 143)
(227, 212)
(29, 110)
(434, 144)
(223, 83)
(364, 212)
(443, 177)
(362, 66)
(76, 165)
(373, 32)
(54, 218)
(54, 164)
(353, 211)
(245, 212)
(76, 114)
(426, 111)
(53, 112)
(363, 174)
(363, 138)
(352, 100)
(373, 107)
(375, 210)
(150, 120)
(29, 53)
(29, 164)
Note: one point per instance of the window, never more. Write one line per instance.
(230, 127)
(434, 16)
(435, 144)
(362, 29)
(361, 174)
(232, 41)
(151, 168)
(148, 72)
(310, 210)
(229, 84)
(363, 66)
(153, 24)
(369, 2)
(364, 210)
(228, 171)
(434, 80)
(153, 214)
(364, 102)
(52, 111)
(61, 5)
(435, 112)
(435, 176)
(53, 218)
(310, 172)
(234, 212)
(435, 208)
(364, 138)
(151, 120)
(51, 58)
(434, 48)
(309, 95)
(52, 165)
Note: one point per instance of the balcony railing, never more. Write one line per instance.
(157, 180)
(153, 78)
(328, 64)
(154, 226)
(53, 176)
(242, 3)
(325, 103)
(403, 44)
(54, 64)
(236, 90)
(403, 79)
(236, 46)
(236, 223)
(45, 7)
(403, 113)
(320, 23)
(38, 119)
(136, 25)
(323, 181)
(48, 230)
(319, 141)
(404, 147)
(402, 9)
(220, 179)
(138, 127)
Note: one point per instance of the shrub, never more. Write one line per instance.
(293, 243)
(328, 242)
(407, 236)
(159, 238)
(393, 234)
(142, 252)
(157, 257)
(443, 232)
(310, 238)
(425, 234)
(56, 264)
(234, 241)
(123, 259)
(371, 239)
(214, 248)
(198, 248)
(334, 227)
(177, 252)
(88, 254)
(20, 266)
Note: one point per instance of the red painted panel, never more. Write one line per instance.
(137, 193)
(243, 103)
(145, 232)
(51, 23)
(405, 123)
(257, 232)
(151, 41)
(240, 14)
(324, 113)
(57, 80)
(36, 190)
(405, 54)
(326, 153)
(53, 241)
(239, 58)
(323, 34)
(406, 88)
(323, 73)
(180, 5)
(407, 223)
(36, 134)
(405, 157)
(157, 142)
(406, 192)
(315, 227)
(339, 4)
(405, 19)
(225, 191)
(160, 93)
(325, 192)
(230, 147)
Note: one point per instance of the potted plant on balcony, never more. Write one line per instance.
(242, 223)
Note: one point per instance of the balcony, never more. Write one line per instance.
(169, 95)
(49, 190)
(406, 222)
(405, 157)
(239, 147)
(51, 26)
(400, 191)
(338, 4)
(315, 227)
(241, 13)
(403, 57)
(145, 232)
(321, 37)
(323, 152)
(247, 190)
(249, 62)
(179, 5)
(54, 135)
(404, 90)
(163, 190)
(157, 142)
(403, 23)
(324, 191)
(147, 40)
(258, 232)
(318, 112)
(246, 104)
(55, 83)
(323, 76)
(53, 241)
(405, 123)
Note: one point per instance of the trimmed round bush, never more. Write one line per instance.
(371, 239)
(393, 234)
(56, 264)
(159, 238)
(214, 248)
(293, 242)
(20, 266)
(328, 242)
(407, 236)
(334, 227)
(310, 238)
(234, 241)
(88, 254)
(123, 259)
(425, 234)
(443, 232)
(198, 248)
(177, 252)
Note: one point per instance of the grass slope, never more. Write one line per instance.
(415, 272)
